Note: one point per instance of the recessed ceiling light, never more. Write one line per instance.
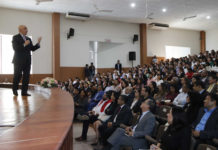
(164, 10)
(208, 17)
(132, 5)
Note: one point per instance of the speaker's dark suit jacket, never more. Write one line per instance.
(22, 54)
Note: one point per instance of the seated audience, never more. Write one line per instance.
(114, 97)
(192, 106)
(76, 94)
(98, 96)
(116, 86)
(81, 103)
(150, 79)
(107, 113)
(162, 92)
(122, 115)
(153, 87)
(134, 136)
(204, 78)
(159, 80)
(124, 85)
(189, 74)
(199, 87)
(172, 93)
(180, 99)
(130, 95)
(145, 93)
(135, 105)
(93, 115)
(212, 84)
(206, 124)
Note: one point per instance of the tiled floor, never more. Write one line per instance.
(77, 130)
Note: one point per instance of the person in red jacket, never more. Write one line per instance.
(189, 74)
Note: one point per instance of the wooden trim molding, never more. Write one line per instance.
(56, 45)
(143, 43)
(34, 78)
(71, 72)
(203, 41)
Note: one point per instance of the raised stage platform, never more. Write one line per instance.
(42, 121)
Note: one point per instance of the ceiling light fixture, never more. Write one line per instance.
(164, 10)
(132, 5)
(208, 17)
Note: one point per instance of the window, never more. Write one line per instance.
(177, 51)
(6, 54)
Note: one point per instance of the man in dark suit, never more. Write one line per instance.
(134, 136)
(122, 115)
(206, 124)
(118, 66)
(91, 71)
(199, 87)
(87, 73)
(22, 46)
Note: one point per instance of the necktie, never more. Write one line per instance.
(134, 127)
(115, 118)
(139, 118)
(24, 38)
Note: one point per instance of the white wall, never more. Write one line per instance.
(157, 39)
(75, 51)
(39, 24)
(212, 39)
(109, 53)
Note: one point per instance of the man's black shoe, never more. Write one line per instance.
(26, 94)
(15, 93)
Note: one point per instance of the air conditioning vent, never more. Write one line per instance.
(158, 26)
(79, 16)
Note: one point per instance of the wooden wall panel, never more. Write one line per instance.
(203, 41)
(71, 72)
(34, 78)
(143, 43)
(56, 45)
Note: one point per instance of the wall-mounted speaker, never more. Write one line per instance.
(135, 38)
(132, 56)
(70, 33)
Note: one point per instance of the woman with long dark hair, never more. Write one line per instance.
(178, 134)
(192, 106)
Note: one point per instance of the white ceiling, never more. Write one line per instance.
(176, 10)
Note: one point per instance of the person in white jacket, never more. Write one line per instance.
(97, 112)
(180, 99)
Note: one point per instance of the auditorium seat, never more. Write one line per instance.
(206, 147)
(157, 137)
(215, 141)
(161, 113)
